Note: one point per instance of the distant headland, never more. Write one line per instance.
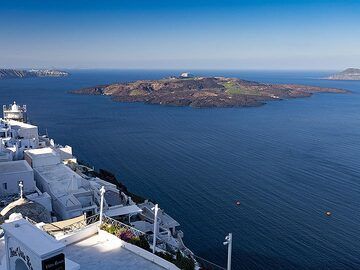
(30, 73)
(347, 74)
(188, 90)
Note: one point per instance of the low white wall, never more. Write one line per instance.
(139, 251)
(77, 236)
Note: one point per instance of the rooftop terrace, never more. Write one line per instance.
(99, 253)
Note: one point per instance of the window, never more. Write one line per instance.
(4, 186)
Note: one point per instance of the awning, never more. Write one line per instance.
(122, 210)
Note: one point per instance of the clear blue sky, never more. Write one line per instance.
(252, 34)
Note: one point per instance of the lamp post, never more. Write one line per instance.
(156, 209)
(102, 192)
(21, 186)
(228, 242)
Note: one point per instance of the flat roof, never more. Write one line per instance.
(20, 124)
(32, 237)
(166, 220)
(18, 166)
(64, 183)
(96, 253)
(122, 210)
(58, 173)
(41, 152)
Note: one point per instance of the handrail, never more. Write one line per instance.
(78, 225)
(207, 264)
(111, 221)
(31, 221)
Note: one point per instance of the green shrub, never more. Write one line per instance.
(180, 261)
(183, 262)
(141, 242)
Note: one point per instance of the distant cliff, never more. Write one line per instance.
(347, 74)
(202, 92)
(22, 73)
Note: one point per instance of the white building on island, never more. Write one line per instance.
(185, 75)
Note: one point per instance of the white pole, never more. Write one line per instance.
(156, 209)
(21, 185)
(228, 242)
(102, 192)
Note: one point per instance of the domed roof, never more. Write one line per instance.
(30, 209)
(14, 107)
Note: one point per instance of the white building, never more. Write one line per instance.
(42, 157)
(71, 194)
(15, 138)
(15, 112)
(11, 173)
(186, 75)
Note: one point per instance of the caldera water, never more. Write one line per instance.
(288, 163)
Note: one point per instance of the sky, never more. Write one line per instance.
(197, 34)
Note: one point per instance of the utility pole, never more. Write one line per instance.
(156, 209)
(228, 242)
(102, 192)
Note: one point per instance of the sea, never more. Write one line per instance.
(287, 162)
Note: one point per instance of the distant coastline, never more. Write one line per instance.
(203, 92)
(30, 73)
(349, 74)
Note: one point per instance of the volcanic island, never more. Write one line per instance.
(203, 92)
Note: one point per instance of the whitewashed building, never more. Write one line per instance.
(11, 173)
(15, 112)
(71, 194)
(42, 157)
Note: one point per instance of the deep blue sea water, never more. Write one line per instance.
(287, 162)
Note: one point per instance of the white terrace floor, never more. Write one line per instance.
(2, 254)
(98, 253)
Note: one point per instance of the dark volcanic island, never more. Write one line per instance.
(203, 92)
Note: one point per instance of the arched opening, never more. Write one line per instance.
(20, 265)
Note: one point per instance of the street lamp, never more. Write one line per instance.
(156, 209)
(102, 192)
(21, 186)
(228, 242)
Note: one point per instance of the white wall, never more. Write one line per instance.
(28, 133)
(12, 182)
(43, 199)
(41, 160)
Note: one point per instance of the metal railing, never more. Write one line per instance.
(117, 224)
(53, 229)
(31, 221)
(108, 221)
(207, 265)
(79, 225)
